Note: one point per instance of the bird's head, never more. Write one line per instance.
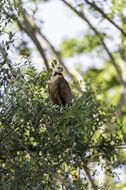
(58, 70)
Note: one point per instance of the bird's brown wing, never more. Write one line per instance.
(64, 91)
(54, 92)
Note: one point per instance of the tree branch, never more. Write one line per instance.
(54, 52)
(61, 179)
(8, 62)
(58, 57)
(121, 101)
(82, 16)
(8, 133)
(87, 175)
(30, 31)
(93, 4)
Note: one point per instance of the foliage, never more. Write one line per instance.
(40, 145)
(71, 46)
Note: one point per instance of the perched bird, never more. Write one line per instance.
(59, 88)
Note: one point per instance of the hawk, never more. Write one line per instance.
(59, 88)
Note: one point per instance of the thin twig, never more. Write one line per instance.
(119, 146)
(93, 4)
(82, 16)
(8, 61)
(7, 134)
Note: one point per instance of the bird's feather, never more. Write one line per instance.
(60, 91)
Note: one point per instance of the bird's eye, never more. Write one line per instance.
(58, 67)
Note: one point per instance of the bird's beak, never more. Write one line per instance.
(61, 69)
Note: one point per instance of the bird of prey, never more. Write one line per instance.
(59, 88)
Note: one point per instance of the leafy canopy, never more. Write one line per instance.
(40, 145)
